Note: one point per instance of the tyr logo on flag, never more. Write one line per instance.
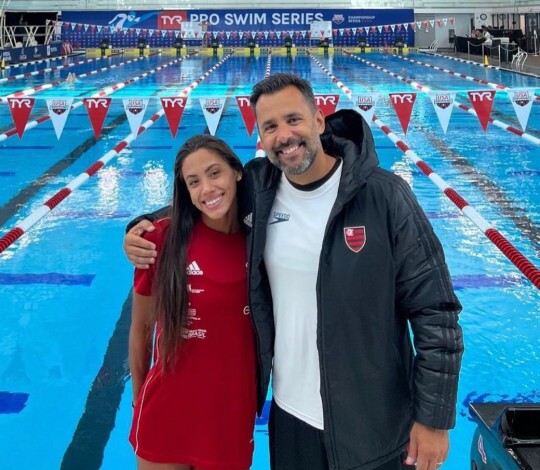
(97, 109)
(355, 238)
(174, 108)
(327, 103)
(20, 109)
(482, 102)
(247, 113)
(403, 104)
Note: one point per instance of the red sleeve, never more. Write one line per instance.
(142, 279)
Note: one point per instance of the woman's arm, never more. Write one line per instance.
(140, 340)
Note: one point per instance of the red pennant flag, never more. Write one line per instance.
(403, 104)
(452, 21)
(482, 102)
(247, 113)
(20, 109)
(327, 103)
(97, 109)
(174, 109)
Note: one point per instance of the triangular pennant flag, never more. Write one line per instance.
(452, 21)
(212, 110)
(137, 31)
(247, 113)
(97, 109)
(20, 109)
(443, 102)
(413, 26)
(59, 109)
(419, 24)
(135, 108)
(439, 23)
(366, 104)
(403, 104)
(327, 103)
(445, 21)
(266, 34)
(482, 102)
(522, 101)
(174, 108)
(228, 34)
(73, 26)
(432, 23)
(99, 28)
(393, 27)
(86, 27)
(379, 28)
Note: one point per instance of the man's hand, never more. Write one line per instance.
(428, 447)
(140, 252)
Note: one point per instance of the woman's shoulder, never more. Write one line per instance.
(157, 235)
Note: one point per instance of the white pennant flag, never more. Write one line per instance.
(445, 21)
(86, 26)
(522, 101)
(134, 109)
(366, 104)
(443, 102)
(99, 28)
(212, 109)
(59, 109)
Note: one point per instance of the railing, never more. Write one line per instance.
(518, 61)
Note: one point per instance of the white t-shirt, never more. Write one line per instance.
(295, 233)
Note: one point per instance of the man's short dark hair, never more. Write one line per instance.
(279, 81)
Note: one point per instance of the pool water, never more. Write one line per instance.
(65, 395)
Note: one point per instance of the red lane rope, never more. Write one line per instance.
(530, 271)
(104, 92)
(25, 224)
(502, 125)
(497, 86)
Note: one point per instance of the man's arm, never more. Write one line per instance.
(140, 252)
(425, 295)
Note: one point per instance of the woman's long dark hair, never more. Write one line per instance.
(170, 285)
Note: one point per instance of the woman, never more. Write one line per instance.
(194, 408)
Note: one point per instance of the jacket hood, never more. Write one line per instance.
(348, 135)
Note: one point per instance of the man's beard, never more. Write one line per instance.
(300, 168)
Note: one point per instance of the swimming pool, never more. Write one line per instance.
(65, 397)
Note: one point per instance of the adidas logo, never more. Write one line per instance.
(248, 219)
(193, 269)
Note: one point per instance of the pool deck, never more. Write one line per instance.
(531, 65)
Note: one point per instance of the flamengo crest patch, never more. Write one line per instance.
(355, 238)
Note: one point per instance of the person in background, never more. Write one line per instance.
(195, 400)
(350, 295)
(486, 35)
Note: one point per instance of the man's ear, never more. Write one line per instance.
(319, 117)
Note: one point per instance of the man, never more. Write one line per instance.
(342, 261)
